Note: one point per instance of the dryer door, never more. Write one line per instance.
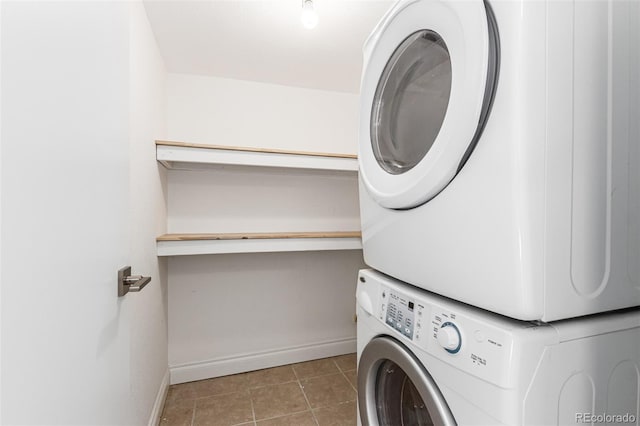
(428, 81)
(394, 388)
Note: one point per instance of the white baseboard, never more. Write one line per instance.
(255, 361)
(161, 396)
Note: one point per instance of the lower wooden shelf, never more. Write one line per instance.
(195, 244)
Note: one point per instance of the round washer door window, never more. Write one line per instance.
(398, 401)
(410, 102)
(395, 389)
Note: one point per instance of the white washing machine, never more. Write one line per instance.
(500, 153)
(424, 359)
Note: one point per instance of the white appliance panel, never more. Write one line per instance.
(554, 374)
(542, 222)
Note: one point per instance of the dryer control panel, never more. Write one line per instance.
(461, 337)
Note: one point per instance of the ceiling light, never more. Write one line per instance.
(309, 16)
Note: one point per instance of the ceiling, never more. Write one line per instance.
(265, 41)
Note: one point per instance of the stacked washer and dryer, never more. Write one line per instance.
(500, 202)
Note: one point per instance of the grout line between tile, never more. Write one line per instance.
(193, 413)
(253, 410)
(305, 397)
(351, 384)
(272, 384)
(347, 379)
(284, 415)
(321, 375)
(247, 389)
(345, 376)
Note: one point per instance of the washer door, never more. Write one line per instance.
(429, 76)
(394, 388)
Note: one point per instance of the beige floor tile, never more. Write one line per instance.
(270, 376)
(337, 415)
(223, 410)
(178, 413)
(352, 377)
(278, 400)
(299, 419)
(181, 392)
(346, 362)
(327, 390)
(219, 385)
(315, 368)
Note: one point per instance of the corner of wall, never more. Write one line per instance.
(158, 405)
(149, 321)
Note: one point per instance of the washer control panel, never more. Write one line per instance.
(463, 339)
(398, 312)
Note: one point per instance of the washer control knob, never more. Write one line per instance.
(449, 337)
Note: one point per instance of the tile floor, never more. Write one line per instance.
(314, 393)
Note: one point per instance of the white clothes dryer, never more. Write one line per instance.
(499, 153)
(425, 360)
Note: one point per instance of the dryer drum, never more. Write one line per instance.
(427, 92)
(412, 96)
(411, 101)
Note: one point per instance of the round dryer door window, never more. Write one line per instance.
(410, 102)
(428, 82)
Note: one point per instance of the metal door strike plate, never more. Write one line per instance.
(128, 282)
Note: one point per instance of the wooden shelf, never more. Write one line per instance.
(194, 244)
(182, 155)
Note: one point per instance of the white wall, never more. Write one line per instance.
(231, 313)
(0, 211)
(234, 112)
(251, 199)
(149, 373)
(82, 102)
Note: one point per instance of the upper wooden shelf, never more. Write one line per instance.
(182, 155)
(194, 244)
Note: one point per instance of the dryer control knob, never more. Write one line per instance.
(449, 337)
